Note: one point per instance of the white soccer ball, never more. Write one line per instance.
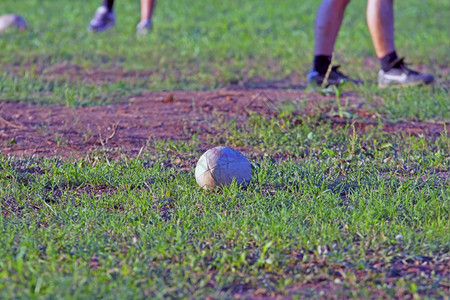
(220, 165)
(10, 20)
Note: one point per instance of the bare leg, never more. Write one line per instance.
(328, 22)
(380, 19)
(147, 7)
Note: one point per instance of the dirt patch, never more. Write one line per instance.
(61, 131)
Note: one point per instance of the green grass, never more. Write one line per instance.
(326, 205)
(331, 200)
(204, 46)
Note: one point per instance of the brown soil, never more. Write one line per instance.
(58, 130)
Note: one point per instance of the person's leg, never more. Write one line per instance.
(326, 28)
(328, 22)
(147, 7)
(380, 20)
(109, 4)
(146, 24)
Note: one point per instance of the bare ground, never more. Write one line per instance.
(59, 130)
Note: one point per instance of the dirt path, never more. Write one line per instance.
(62, 131)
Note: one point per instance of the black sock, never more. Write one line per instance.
(386, 61)
(321, 63)
(109, 4)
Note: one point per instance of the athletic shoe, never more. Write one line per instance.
(102, 20)
(144, 27)
(334, 78)
(400, 75)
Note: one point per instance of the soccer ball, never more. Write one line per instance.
(10, 20)
(220, 165)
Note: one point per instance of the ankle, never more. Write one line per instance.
(388, 61)
(321, 63)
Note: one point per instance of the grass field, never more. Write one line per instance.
(333, 211)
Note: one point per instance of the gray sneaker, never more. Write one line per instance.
(334, 78)
(144, 27)
(102, 20)
(400, 75)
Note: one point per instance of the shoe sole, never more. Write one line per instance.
(402, 85)
(95, 30)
